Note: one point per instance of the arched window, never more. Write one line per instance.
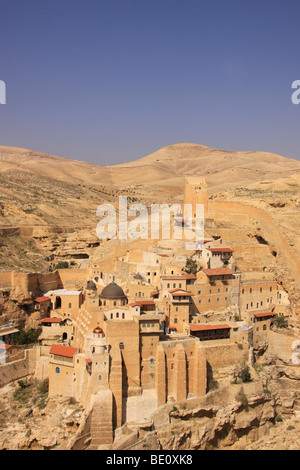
(123, 315)
(121, 345)
(57, 370)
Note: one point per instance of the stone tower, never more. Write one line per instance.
(195, 192)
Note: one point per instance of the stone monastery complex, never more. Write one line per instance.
(149, 332)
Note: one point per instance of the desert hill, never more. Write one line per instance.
(48, 203)
(167, 166)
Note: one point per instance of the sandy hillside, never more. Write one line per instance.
(51, 201)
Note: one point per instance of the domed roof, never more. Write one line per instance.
(98, 330)
(91, 285)
(112, 291)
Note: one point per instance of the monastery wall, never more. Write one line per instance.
(73, 279)
(42, 362)
(180, 370)
(223, 358)
(275, 238)
(282, 345)
(5, 279)
(18, 369)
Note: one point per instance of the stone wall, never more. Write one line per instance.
(222, 360)
(18, 369)
(282, 345)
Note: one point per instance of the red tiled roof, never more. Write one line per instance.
(88, 361)
(268, 314)
(220, 250)
(155, 292)
(180, 277)
(42, 299)
(164, 256)
(5, 346)
(51, 320)
(223, 326)
(218, 272)
(65, 351)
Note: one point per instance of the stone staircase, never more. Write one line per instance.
(101, 426)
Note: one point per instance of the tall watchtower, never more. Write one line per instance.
(195, 192)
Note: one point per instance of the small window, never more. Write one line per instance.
(57, 370)
(121, 345)
(99, 377)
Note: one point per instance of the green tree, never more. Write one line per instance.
(280, 321)
(244, 374)
(62, 265)
(27, 337)
(191, 266)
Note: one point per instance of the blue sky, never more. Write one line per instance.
(112, 81)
